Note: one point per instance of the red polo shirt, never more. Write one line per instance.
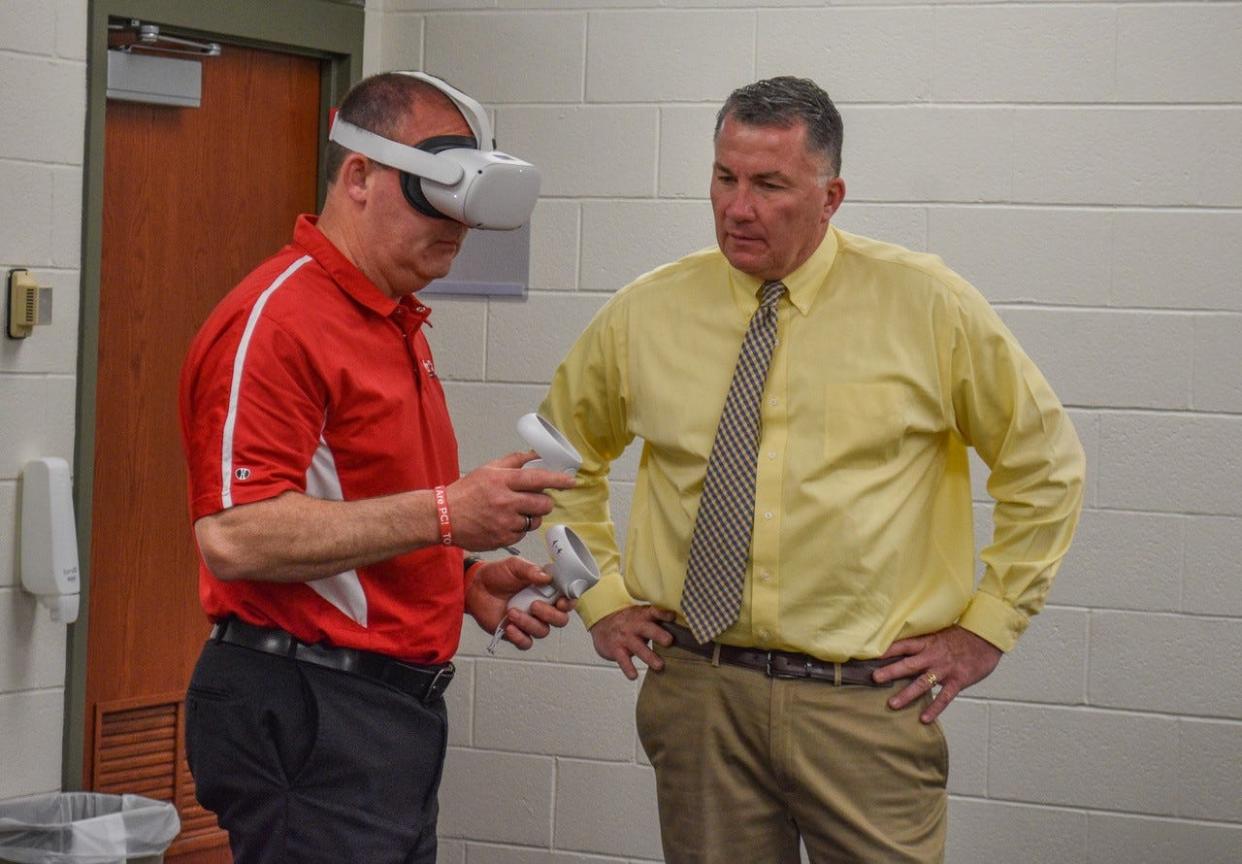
(308, 378)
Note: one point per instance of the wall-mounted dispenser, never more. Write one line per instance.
(29, 304)
(49, 550)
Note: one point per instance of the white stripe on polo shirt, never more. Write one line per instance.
(239, 365)
(344, 590)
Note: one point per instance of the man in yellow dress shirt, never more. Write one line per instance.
(812, 716)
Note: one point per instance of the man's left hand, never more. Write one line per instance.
(496, 583)
(953, 658)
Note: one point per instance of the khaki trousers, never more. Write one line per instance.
(746, 764)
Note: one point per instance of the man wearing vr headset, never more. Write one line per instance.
(327, 501)
(800, 543)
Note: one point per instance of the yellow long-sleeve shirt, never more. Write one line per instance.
(887, 366)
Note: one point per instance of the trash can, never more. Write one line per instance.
(86, 828)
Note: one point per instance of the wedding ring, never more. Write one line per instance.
(526, 530)
(931, 679)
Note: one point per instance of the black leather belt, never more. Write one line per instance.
(781, 664)
(425, 683)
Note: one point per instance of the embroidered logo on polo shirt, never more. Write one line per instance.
(430, 367)
(242, 473)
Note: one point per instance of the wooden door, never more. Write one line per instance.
(193, 200)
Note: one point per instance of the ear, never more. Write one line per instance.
(834, 197)
(354, 177)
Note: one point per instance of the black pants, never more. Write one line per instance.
(305, 764)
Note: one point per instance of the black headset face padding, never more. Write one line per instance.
(412, 184)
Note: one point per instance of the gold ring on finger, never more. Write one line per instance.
(931, 679)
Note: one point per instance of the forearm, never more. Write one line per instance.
(1037, 508)
(297, 538)
(587, 401)
(1007, 411)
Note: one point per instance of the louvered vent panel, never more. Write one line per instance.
(137, 751)
(140, 750)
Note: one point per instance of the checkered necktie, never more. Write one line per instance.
(720, 545)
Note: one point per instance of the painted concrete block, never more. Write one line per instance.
(1023, 53)
(1123, 560)
(645, 56)
(31, 759)
(1049, 664)
(500, 797)
(1207, 785)
(571, 143)
(554, 710)
(928, 153)
(459, 328)
(856, 54)
(1217, 345)
(1024, 254)
(625, 792)
(530, 56)
(984, 832)
(686, 150)
(1123, 839)
(621, 240)
(555, 240)
(1071, 156)
(1177, 259)
(1213, 574)
(1117, 359)
(1176, 463)
(1176, 664)
(1175, 53)
(1106, 760)
(527, 340)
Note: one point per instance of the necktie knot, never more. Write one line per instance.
(770, 293)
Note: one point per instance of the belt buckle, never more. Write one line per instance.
(439, 683)
(786, 673)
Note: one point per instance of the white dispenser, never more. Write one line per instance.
(49, 550)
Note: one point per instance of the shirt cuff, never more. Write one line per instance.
(608, 595)
(991, 618)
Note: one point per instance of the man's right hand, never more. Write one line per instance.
(626, 634)
(489, 505)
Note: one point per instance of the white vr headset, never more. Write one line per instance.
(452, 176)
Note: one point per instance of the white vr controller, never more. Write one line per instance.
(555, 451)
(572, 568)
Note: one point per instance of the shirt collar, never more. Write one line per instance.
(349, 278)
(803, 284)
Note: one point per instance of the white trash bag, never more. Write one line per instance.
(85, 828)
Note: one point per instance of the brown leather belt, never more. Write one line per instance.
(781, 664)
(425, 683)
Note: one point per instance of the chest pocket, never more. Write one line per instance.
(865, 423)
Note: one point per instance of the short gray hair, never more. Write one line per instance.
(378, 104)
(784, 101)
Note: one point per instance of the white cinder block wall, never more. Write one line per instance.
(43, 103)
(1081, 162)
